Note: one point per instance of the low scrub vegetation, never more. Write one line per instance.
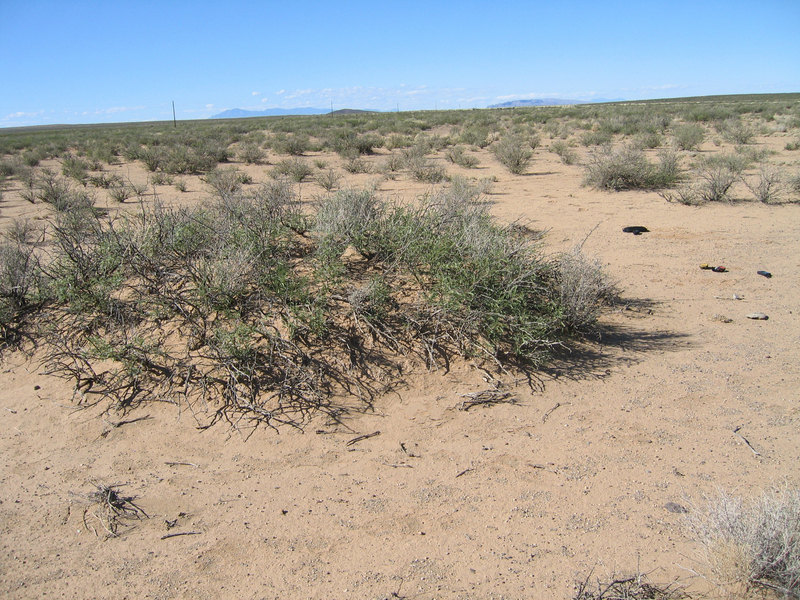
(514, 153)
(244, 306)
(751, 545)
(627, 168)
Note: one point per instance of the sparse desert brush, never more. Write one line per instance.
(251, 153)
(637, 586)
(627, 168)
(715, 175)
(59, 194)
(393, 163)
(328, 180)
(357, 165)
(227, 181)
(599, 137)
(583, 288)
(688, 136)
(292, 144)
(396, 141)
(475, 136)
(76, 168)
(20, 281)
(456, 155)
(160, 178)
(120, 192)
(737, 132)
(794, 184)
(425, 170)
(296, 169)
(349, 218)
(767, 185)
(751, 545)
(514, 154)
(565, 151)
(647, 140)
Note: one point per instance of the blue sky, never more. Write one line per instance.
(79, 61)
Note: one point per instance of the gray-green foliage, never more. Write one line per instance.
(627, 168)
(514, 153)
(264, 299)
(752, 544)
(688, 136)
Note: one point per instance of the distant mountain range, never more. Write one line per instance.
(239, 113)
(550, 102)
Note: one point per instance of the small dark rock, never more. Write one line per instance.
(673, 507)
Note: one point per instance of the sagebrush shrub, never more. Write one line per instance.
(564, 151)
(627, 168)
(688, 136)
(514, 154)
(583, 288)
(768, 184)
(751, 544)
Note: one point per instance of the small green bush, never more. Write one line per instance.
(628, 168)
(424, 170)
(296, 169)
(328, 180)
(514, 154)
(688, 136)
(455, 154)
(226, 182)
(251, 153)
(565, 151)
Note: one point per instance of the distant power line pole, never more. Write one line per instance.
(174, 119)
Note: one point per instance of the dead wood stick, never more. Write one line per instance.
(549, 412)
(361, 438)
(178, 464)
(542, 467)
(464, 472)
(171, 535)
(749, 445)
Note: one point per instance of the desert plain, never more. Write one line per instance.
(590, 474)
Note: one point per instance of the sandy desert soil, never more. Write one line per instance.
(508, 501)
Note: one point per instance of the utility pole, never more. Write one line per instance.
(174, 120)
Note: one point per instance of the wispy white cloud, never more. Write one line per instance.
(256, 93)
(118, 109)
(380, 98)
(22, 115)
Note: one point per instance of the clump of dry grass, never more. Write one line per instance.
(751, 545)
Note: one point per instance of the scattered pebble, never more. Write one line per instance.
(721, 318)
(758, 316)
